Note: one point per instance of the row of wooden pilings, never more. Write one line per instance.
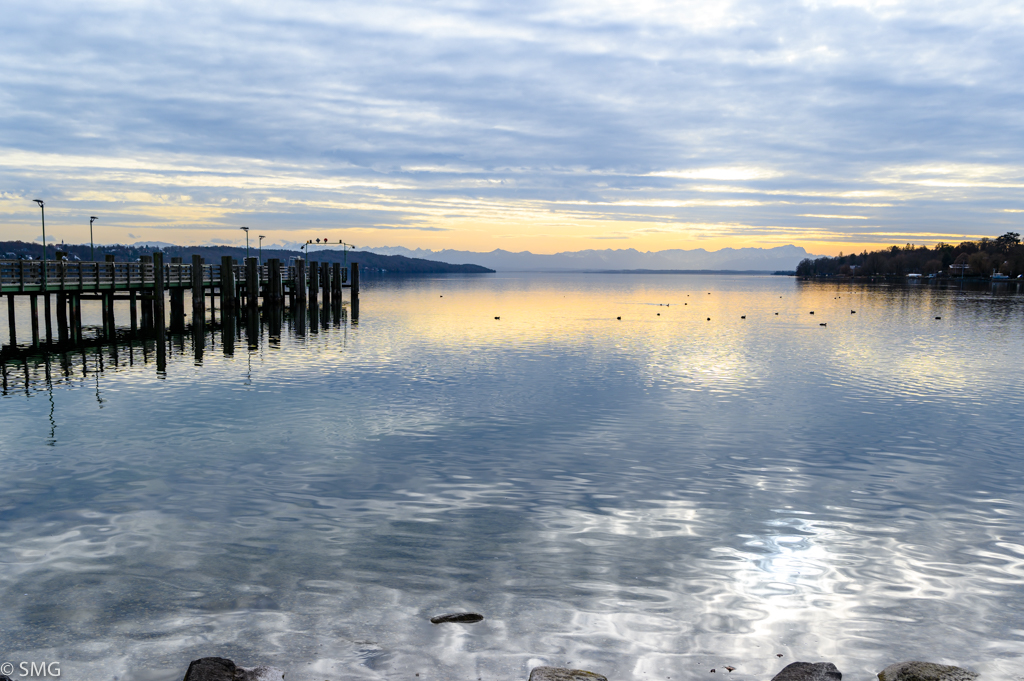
(301, 291)
(69, 312)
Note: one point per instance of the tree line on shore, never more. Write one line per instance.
(1004, 255)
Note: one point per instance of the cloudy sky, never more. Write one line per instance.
(542, 126)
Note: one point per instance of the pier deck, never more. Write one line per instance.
(147, 282)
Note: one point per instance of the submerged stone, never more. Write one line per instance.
(460, 617)
(561, 674)
(925, 671)
(221, 669)
(809, 671)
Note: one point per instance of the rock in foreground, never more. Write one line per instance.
(221, 669)
(560, 674)
(925, 671)
(809, 671)
(462, 617)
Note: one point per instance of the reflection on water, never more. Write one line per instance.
(648, 497)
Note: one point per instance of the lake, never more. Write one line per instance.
(648, 497)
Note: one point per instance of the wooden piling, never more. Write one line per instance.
(325, 283)
(355, 292)
(299, 284)
(47, 315)
(158, 298)
(62, 318)
(79, 327)
(252, 283)
(34, 306)
(105, 303)
(314, 291)
(227, 286)
(133, 299)
(111, 320)
(314, 282)
(148, 297)
(76, 318)
(336, 281)
(274, 282)
(11, 325)
(198, 299)
(177, 297)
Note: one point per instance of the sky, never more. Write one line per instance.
(543, 126)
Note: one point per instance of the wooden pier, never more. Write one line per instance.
(153, 286)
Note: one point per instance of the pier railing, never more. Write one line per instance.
(27, 276)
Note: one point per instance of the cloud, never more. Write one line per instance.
(835, 217)
(461, 121)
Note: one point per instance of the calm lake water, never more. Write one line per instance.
(648, 498)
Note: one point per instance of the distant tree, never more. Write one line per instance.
(897, 264)
(978, 262)
(1007, 242)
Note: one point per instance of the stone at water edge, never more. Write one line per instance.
(925, 671)
(221, 669)
(561, 674)
(809, 671)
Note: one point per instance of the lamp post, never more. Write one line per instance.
(261, 249)
(43, 215)
(92, 247)
(246, 230)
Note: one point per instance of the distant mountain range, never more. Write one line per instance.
(735, 259)
(399, 259)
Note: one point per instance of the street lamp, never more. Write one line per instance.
(261, 249)
(92, 248)
(246, 230)
(43, 215)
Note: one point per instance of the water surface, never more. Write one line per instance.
(647, 497)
